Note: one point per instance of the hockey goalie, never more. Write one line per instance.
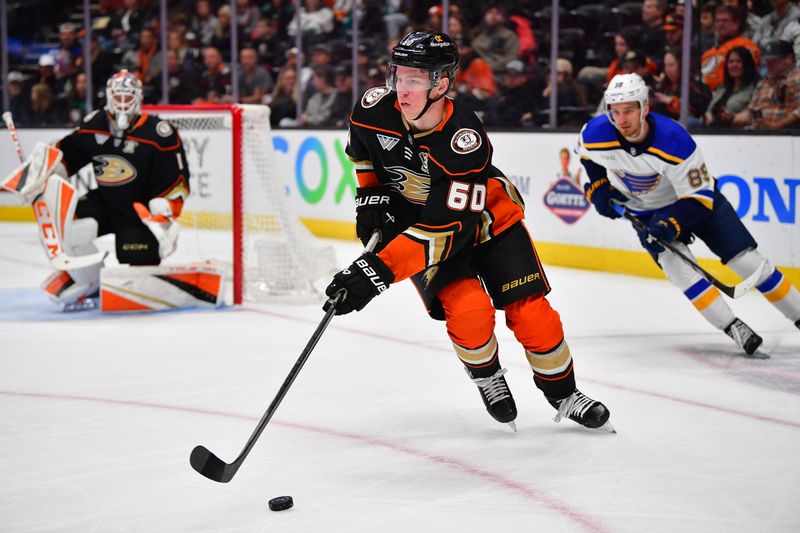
(124, 172)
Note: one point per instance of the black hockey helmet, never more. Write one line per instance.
(433, 51)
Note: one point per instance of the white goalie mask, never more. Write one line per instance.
(626, 88)
(123, 99)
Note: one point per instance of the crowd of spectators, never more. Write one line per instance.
(743, 73)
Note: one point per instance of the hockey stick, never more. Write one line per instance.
(9, 120)
(214, 468)
(731, 291)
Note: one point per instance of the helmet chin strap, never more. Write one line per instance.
(429, 103)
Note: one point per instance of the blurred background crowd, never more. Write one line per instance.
(743, 73)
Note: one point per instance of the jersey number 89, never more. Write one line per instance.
(698, 176)
(462, 194)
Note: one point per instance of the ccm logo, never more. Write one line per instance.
(372, 275)
(372, 200)
(519, 282)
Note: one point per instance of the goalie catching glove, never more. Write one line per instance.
(158, 219)
(362, 281)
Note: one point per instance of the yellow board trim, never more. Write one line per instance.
(633, 263)
(16, 213)
(558, 254)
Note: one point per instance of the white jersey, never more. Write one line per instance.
(664, 168)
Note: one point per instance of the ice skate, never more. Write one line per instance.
(497, 397)
(747, 339)
(581, 409)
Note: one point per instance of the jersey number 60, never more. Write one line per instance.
(462, 194)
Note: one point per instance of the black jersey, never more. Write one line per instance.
(147, 162)
(451, 194)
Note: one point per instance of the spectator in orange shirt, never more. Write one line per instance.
(474, 73)
(475, 83)
(625, 40)
(728, 25)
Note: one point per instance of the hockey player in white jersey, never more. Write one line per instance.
(652, 166)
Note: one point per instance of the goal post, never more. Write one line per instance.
(238, 213)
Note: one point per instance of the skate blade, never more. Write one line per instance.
(85, 305)
(605, 428)
(512, 425)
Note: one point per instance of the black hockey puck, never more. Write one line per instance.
(281, 503)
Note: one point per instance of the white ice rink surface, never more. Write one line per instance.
(382, 431)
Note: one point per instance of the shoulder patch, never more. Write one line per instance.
(164, 128)
(465, 140)
(373, 96)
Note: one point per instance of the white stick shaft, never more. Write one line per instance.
(9, 120)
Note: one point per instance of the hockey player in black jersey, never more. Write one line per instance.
(134, 185)
(452, 222)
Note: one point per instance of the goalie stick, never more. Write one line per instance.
(734, 291)
(214, 468)
(9, 120)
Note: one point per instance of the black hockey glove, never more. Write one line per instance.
(661, 226)
(374, 212)
(362, 281)
(601, 194)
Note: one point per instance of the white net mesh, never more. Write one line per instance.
(280, 259)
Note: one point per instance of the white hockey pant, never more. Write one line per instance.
(775, 287)
(705, 297)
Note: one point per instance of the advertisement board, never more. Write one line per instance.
(760, 175)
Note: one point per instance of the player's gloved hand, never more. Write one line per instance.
(362, 281)
(601, 194)
(158, 219)
(374, 212)
(661, 226)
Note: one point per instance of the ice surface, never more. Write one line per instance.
(382, 431)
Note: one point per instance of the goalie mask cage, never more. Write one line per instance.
(238, 213)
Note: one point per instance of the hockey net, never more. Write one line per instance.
(238, 213)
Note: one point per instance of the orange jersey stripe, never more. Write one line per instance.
(374, 127)
(404, 257)
(471, 171)
(367, 178)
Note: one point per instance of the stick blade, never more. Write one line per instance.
(745, 285)
(209, 465)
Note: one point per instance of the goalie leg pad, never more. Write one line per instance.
(65, 290)
(705, 297)
(157, 288)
